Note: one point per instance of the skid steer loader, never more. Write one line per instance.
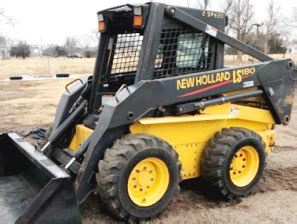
(160, 108)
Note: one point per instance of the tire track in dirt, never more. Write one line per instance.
(278, 179)
(279, 149)
(291, 133)
(280, 172)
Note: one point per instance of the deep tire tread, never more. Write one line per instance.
(214, 157)
(115, 159)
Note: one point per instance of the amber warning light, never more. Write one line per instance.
(138, 19)
(101, 23)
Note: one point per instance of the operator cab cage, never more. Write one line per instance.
(141, 42)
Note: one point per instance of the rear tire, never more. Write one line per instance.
(233, 162)
(138, 177)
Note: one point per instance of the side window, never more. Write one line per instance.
(183, 51)
(189, 50)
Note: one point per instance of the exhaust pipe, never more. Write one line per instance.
(33, 189)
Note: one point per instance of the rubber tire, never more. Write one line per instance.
(62, 75)
(115, 168)
(218, 155)
(16, 77)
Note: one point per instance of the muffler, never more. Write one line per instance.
(33, 189)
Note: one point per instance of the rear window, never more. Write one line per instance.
(126, 53)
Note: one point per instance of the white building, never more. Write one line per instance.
(292, 49)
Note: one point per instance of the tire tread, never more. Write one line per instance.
(110, 168)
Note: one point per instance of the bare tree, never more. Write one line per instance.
(270, 24)
(289, 21)
(94, 37)
(54, 51)
(241, 15)
(286, 26)
(91, 39)
(203, 4)
(225, 6)
(295, 14)
(89, 43)
(4, 19)
(292, 20)
(22, 49)
(71, 45)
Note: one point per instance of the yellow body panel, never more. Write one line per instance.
(189, 134)
(81, 134)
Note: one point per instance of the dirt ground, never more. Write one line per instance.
(28, 105)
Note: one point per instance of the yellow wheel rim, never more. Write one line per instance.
(244, 166)
(148, 182)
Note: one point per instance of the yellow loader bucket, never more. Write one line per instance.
(33, 189)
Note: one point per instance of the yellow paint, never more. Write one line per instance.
(189, 134)
(268, 137)
(244, 166)
(81, 134)
(245, 90)
(148, 182)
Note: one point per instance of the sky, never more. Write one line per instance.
(51, 21)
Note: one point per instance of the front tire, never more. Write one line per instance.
(138, 177)
(233, 162)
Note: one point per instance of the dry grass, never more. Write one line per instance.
(29, 104)
(46, 66)
(80, 66)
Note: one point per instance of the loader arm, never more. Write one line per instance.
(196, 23)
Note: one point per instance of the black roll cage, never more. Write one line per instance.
(156, 16)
